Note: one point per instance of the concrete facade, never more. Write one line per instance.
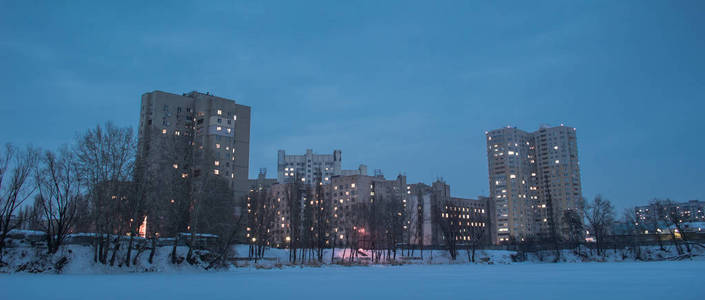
(688, 212)
(311, 167)
(533, 178)
(352, 194)
(428, 204)
(212, 135)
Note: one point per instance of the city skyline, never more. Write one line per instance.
(406, 98)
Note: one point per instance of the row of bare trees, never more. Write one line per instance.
(315, 222)
(53, 179)
(598, 223)
(98, 184)
(459, 232)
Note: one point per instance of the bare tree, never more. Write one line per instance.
(600, 217)
(212, 211)
(449, 225)
(294, 199)
(260, 222)
(653, 222)
(671, 218)
(477, 231)
(58, 184)
(395, 222)
(634, 229)
(321, 213)
(15, 175)
(573, 228)
(105, 158)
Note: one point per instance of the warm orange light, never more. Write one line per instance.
(142, 231)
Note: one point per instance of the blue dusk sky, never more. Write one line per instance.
(400, 86)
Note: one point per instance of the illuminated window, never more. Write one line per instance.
(234, 117)
(175, 166)
(177, 132)
(163, 131)
(220, 112)
(217, 146)
(558, 161)
(216, 163)
(512, 176)
(219, 128)
(216, 172)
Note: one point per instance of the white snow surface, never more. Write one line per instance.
(614, 280)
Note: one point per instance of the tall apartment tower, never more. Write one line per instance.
(534, 177)
(197, 135)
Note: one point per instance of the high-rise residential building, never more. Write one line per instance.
(311, 167)
(197, 135)
(534, 177)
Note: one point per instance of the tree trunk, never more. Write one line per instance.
(129, 250)
(173, 249)
(115, 250)
(153, 251)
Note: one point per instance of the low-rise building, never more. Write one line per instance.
(430, 207)
(687, 212)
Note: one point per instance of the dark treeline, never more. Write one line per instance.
(596, 229)
(98, 184)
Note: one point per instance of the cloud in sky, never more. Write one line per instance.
(401, 86)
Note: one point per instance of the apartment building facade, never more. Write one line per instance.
(687, 212)
(311, 167)
(198, 136)
(429, 206)
(533, 177)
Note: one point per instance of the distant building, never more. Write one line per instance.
(353, 196)
(479, 217)
(311, 167)
(688, 212)
(533, 177)
(262, 182)
(196, 136)
(428, 205)
(347, 200)
(423, 206)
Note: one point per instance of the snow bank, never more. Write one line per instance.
(78, 259)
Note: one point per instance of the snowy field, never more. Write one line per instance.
(623, 280)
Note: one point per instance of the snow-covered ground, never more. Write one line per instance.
(621, 280)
